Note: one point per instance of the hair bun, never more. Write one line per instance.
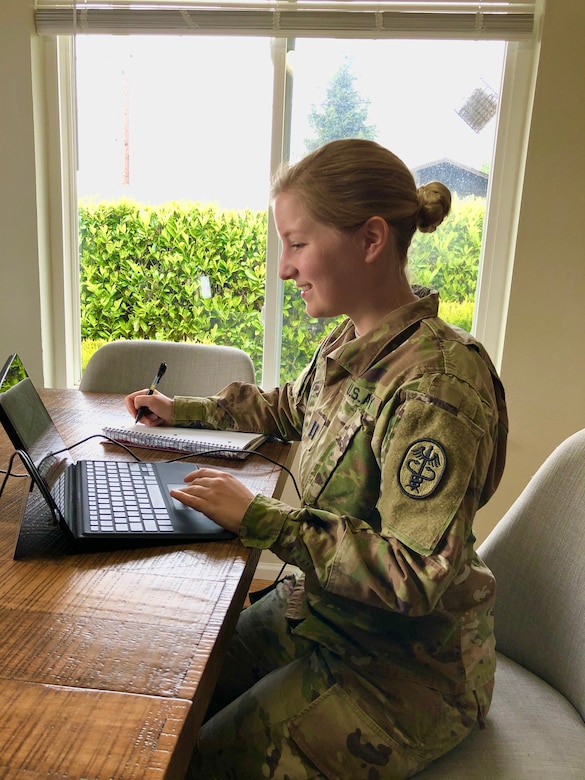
(434, 200)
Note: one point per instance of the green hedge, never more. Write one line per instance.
(448, 259)
(141, 267)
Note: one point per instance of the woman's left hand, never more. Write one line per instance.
(218, 494)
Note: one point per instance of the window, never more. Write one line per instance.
(407, 95)
(173, 178)
(234, 106)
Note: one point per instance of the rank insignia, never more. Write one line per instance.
(422, 468)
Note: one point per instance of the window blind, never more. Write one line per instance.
(288, 19)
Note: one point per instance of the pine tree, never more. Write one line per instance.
(342, 114)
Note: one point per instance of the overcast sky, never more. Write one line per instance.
(191, 116)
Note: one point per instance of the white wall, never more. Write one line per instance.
(20, 309)
(542, 367)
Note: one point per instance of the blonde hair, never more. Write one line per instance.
(344, 183)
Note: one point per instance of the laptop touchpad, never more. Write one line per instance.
(176, 503)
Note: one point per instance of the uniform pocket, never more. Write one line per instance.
(320, 457)
(343, 741)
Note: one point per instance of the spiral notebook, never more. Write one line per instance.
(196, 441)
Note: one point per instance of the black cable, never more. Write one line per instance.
(248, 453)
(185, 456)
(256, 595)
(9, 473)
(40, 483)
(95, 436)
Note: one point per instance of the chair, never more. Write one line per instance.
(535, 727)
(192, 369)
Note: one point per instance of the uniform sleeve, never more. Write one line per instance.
(244, 407)
(432, 460)
(434, 452)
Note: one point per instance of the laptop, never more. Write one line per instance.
(89, 498)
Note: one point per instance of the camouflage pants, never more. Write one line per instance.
(284, 708)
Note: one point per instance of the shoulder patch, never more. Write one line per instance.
(422, 468)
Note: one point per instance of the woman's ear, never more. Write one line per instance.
(376, 233)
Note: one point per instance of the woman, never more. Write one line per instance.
(379, 657)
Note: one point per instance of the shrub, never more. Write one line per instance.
(88, 347)
(141, 270)
(460, 314)
(448, 260)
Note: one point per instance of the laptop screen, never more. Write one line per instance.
(27, 422)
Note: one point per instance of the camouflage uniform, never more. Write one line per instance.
(381, 656)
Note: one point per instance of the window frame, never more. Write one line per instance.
(500, 223)
(502, 212)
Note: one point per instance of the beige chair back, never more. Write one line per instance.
(192, 369)
(537, 554)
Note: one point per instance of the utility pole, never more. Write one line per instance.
(126, 128)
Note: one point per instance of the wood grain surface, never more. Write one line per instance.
(108, 660)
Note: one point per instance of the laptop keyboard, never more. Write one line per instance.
(125, 498)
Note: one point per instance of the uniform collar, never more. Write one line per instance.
(356, 355)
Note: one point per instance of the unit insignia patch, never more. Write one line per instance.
(422, 468)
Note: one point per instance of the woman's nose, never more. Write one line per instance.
(285, 268)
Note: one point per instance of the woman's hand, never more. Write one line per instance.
(159, 407)
(218, 494)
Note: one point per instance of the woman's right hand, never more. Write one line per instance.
(159, 408)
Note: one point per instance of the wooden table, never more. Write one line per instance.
(108, 660)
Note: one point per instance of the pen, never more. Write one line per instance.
(161, 369)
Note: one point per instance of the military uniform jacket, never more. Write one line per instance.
(403, 435)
